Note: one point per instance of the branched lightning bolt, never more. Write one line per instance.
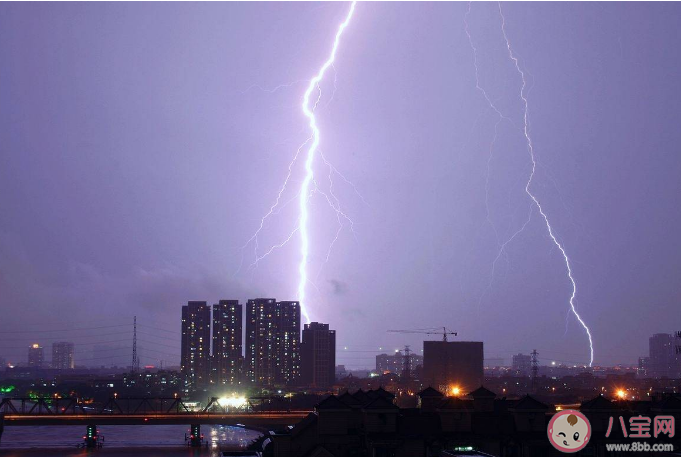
(274, 89)
(530, 148)
(501, 117)
(309, 174)
(254, 239)
(309, 185)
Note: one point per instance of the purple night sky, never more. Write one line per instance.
(141, 143)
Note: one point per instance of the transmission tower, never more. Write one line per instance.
(135, 360)
(535, 368)
(406, 366)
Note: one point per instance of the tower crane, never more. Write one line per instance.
(429, 331)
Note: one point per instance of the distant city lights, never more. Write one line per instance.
(232, 402)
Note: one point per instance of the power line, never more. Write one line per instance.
(160, 329)
(63, 330)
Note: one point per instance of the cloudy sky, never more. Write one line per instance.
(142, 143)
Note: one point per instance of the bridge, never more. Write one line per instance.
(255, 420)
(24, 411)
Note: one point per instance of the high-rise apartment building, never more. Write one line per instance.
(272, 341)
(394, 363)
(318, 355)
(195, 350)
(663, 361)
(36, 356)
(227, 342)
(288, 370)
(261, 341)
(522, 364)
(62, 356)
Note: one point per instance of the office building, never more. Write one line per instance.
(522, 365)
(195, 345)
(227, 342)
(663, 361)
(272, 341)
(62, 356)
(453, 364)
(318, 355)
(36, 356)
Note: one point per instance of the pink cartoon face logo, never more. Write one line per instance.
(569, 431)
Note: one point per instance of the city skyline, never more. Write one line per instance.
(224, 358)
(138, 164)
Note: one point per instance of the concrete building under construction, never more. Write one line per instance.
(453, 364)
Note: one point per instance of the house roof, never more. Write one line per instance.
(670, 403)
(598, 403)
(380, 392)
(361, 396)
(331, 403)
(456, 404)
(384, 393)
(481, 392)
(302, 425)
(349, 400)
(319, 451)
(429, 392)
(381, 403)
(418, 424)
(528, 403)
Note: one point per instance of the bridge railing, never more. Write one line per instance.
(72, 405)
(126, 406)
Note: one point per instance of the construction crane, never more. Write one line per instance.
(429, 331)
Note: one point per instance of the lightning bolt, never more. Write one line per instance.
(309, 174)
(528, 184)
(530, 147)
(309, 186)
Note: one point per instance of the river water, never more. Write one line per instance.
(120, 441)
